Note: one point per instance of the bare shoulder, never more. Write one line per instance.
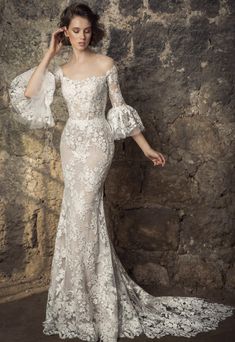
(63, 66)
(106, 62)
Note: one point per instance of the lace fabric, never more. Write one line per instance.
(33, 112)
(90, 295)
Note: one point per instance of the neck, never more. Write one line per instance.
(79, 57)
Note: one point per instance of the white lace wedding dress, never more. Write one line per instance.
(91, 295)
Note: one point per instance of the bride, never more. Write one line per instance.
(91, 296)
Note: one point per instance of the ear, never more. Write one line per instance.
(66, 32)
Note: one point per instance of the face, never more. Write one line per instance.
(79, 32)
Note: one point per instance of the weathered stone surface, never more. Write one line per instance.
(231, 6)
(147, 45)
(119, 40)
(230, 283)
(119, 187)
(167, 6)
(150, 229)
(211, 8)
(130, 7)
(171, 225)
(36, 10)
(190, 42)
(97, 6)
(170, 185)
(208, 233)
(151, 273)
(20, 44)
(192, 271)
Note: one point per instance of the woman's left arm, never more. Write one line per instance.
(156, 157)
(124, 120)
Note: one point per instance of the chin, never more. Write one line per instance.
(82, 47)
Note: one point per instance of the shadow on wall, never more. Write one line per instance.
(31, 192)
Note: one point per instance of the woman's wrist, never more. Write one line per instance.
(147, 150)
(142, 142)
(49, 55)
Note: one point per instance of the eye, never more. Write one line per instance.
(86, 31)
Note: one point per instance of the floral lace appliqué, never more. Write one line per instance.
(91, 296)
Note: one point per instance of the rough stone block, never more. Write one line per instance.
(150, 229)
(151, 274)
(193, 272)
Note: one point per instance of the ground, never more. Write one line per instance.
(20, 321)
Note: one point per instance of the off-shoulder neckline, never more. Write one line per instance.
(88, 77)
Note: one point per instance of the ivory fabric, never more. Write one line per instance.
(91, 296)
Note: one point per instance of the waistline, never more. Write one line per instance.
(86, 119)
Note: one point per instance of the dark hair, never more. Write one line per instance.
(85, 11)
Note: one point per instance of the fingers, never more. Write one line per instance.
(160, 160)
(60, 29)
(157, 163)
(57, 35)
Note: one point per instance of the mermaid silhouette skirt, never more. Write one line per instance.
(90, 294)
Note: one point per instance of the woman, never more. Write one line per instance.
(90, 295)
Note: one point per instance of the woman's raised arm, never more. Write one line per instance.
(31, 92)
(35, 82)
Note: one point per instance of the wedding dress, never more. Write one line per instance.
(91, 296)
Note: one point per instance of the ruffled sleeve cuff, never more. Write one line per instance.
(124, 121)
(34, 112)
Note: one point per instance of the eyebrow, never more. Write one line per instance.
(79, 27)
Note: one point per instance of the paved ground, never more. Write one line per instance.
(20, 321)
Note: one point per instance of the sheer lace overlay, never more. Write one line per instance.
(35, 112)
(91, 296)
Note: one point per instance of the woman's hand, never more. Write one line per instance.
(156, 157)
(56, 43)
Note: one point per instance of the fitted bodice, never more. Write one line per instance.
(86, 98)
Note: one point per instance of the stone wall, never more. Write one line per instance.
(171, 226)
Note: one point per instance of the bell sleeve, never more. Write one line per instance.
(123, 119)
(35, 111)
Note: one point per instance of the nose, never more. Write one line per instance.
(83, 34)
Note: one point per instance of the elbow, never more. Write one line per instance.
(27, 94)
